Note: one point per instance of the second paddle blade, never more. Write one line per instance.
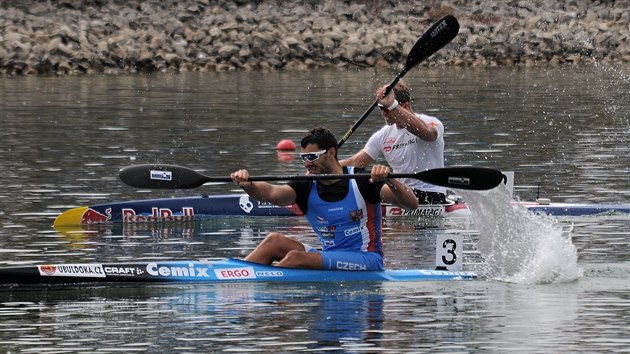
(437, 36)
(161, 177)
(474, 178)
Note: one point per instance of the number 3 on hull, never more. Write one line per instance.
(449, 252)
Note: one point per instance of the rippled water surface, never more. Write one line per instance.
(553, 285)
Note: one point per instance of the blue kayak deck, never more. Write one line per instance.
(204, 271)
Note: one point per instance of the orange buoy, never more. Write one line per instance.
(286, 145)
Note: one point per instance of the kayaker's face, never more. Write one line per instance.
(316, 160)
(385, 114)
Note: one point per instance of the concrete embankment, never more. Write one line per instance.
(100, 36)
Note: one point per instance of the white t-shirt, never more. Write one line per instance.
(406, 153)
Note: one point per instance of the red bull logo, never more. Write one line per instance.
(129, 215)
(92, 216)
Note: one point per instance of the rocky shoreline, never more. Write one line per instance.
(112, 37)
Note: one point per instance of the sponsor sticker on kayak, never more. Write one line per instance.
(235, 273)
(456, 273)
(129, 215)
(179, 270)
(73, 270)
(423, 210)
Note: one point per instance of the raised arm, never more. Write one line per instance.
(403, 116)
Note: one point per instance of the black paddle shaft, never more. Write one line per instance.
(179, 177)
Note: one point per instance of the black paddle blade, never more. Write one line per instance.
(473, 178)
(162, 177)
(437, 36)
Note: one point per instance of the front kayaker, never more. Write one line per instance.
(344, 213)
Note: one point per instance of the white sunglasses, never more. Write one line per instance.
(311, 156)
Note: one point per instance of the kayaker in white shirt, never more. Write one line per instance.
(409, 142)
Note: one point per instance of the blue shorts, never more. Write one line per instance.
(340, 260)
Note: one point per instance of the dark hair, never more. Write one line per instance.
(322, 137)
(402, 92)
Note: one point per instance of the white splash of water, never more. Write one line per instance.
(518, 245)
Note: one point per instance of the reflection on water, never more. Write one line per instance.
(563, 131)
(236, 316)
(284, 317)
(239, 317)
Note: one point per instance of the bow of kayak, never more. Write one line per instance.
(172, 209)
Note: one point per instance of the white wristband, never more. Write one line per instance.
(393, 106)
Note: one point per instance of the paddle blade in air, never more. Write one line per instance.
(475, 178)
(436, 37)
(161, 177)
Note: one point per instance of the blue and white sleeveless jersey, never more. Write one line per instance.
(351, 224)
